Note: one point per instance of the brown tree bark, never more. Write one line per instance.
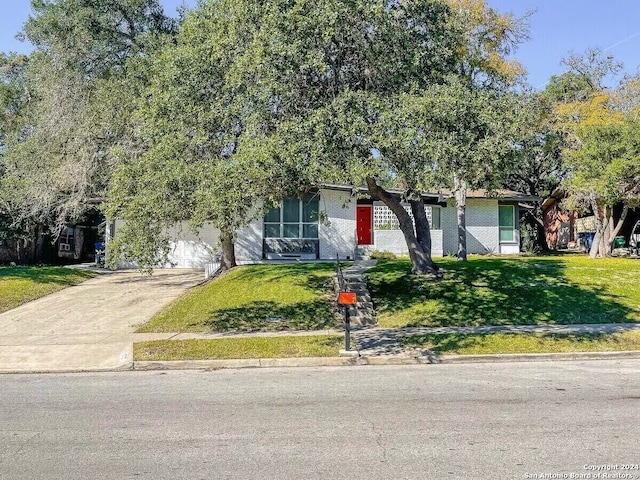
(423, 229)
(228, 257)
(421, 260)
(536, 220)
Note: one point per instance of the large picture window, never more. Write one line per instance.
(292, 219)
(507, 222)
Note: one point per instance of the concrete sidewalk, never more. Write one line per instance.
(88, 326)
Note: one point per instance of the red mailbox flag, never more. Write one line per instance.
(347, 298)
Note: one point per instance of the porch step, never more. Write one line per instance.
(363, 312)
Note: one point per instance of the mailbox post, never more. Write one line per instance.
(346, 299)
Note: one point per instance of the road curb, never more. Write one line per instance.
(122, 368)
(337, 362)
(379, 360)
(539, 357)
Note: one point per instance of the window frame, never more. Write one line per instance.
(301, 223)
(504, 228)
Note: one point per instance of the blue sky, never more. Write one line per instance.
(556, 28)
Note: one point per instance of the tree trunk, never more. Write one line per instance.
(423, 230)
(606, 230)
(615, 230)
(228, 258)
(537, 221)
(33, 237)
(39, 247)
(595, 246)
(420, 259)
(460, 189)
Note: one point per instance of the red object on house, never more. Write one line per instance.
(364, 224)
(347, 298)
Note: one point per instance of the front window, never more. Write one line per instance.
(507, 222)
(292, 219)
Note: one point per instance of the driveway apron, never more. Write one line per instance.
(88, 326)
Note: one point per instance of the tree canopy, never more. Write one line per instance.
(76, 90)
(602, 158)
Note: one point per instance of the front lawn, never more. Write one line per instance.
(562, 289)
(255, 297)
(495, 343)
(232, 348)
(20, 285)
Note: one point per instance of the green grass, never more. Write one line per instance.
(561, 289)
(255, 297)
(231, 348)
(493, 343)
(20, 285)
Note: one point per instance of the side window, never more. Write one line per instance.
(507, 222)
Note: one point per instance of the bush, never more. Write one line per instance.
(378, 255)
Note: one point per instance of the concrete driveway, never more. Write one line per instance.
(89, 326)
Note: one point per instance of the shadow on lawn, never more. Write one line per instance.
(308, 275)
(271, 316)
(492, 291)
(45, 275)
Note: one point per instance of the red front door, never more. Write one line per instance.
(364, 221)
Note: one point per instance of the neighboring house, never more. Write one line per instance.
(77, 242)
(559, 223)
(332, 221)
(563, 227)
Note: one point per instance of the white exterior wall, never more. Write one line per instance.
(189, 250)
(393, 241)
(249, 238)
(449, 226)
(482, 226)
(339, 235)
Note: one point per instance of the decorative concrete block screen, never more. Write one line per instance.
(384, 219)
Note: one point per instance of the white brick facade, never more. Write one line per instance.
(483, 235)
(249, 238)
(449, 226)
(393, 241)
(338, 234)
(482, 226)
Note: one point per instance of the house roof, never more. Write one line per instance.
(502, 194)
(443, 195)
(556, 195)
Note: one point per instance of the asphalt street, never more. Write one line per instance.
(468, 421)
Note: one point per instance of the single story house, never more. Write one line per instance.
(332, 220)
